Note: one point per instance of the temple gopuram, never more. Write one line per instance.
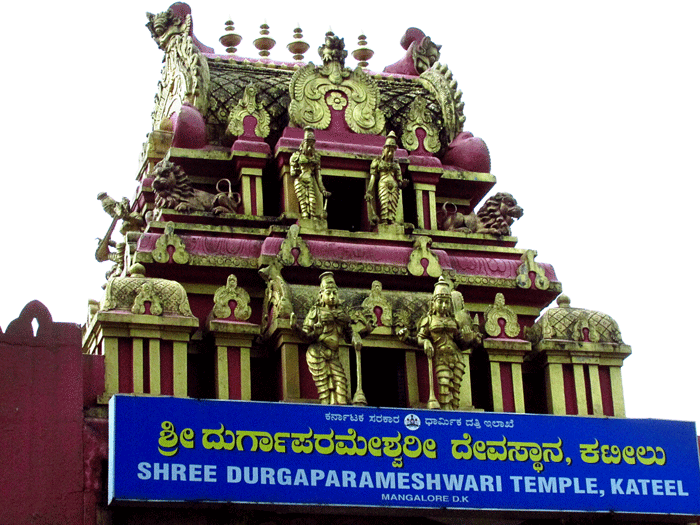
(316, 311)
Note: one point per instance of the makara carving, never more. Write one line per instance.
(185, 73)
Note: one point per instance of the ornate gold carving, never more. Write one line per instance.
(161, 254)
(325, 324)
(360, 267)
(185, 73)
(131, 293)
(375, 300)
(421, 251)
(173, 190)
(305, 169)
(385, 168)
(443, 338)
(231, 292)
(439, 82)
(574, 324)
(294, 241)
(418, 117)
(310, 85)
(498, 311)
(131, 222)
(277, 303)
(529, 265)
(495, 217)
(248, 105)
(147, 294)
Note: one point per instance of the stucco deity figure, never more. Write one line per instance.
(305, 166)
(386, 172)
(326, 323)
(443, 337)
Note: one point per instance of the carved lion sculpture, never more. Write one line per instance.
(174, 190)
(495, 216)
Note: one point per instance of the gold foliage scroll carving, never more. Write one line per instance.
(421, 251)
(310, 86)
(248, 105)
(231, 292)
(529, 265)
(160, 253)
(498, 311)
(418, 117)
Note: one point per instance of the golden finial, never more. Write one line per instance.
(362, 54)
(297, 46)
(230, 39)
(264, 43)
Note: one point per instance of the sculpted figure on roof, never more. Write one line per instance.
(443, 336)
(326, 323)
(305, 169)
(390, 182)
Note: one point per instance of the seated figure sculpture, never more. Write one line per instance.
(443, 337)
(305, 169)
(386, 168)
(326, 322)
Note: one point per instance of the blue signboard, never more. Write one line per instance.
(166, 449)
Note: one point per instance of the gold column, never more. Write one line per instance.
(179, 369)
(580, 385)
(496, 386)
(429, 222)
(245, 374)
(556, 402)
(511, 353)
(137, 364)
(465, 390)
(289, 198)
(290, 371)
(617, 394)
(222, 386)
(596, 394)
(110, 349)
(518, 393)
(252, 178)
(154, 365)
(412, 379)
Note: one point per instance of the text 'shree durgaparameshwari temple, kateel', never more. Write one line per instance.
(313, 313)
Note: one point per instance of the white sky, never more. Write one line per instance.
(590, 111)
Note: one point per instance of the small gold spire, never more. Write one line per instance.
(297, 46)
(230, 39)
(264, 43)
(362, 54)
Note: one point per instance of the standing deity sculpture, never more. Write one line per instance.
(326, 323)
(305, 168)
(443, 337)
(389, 184)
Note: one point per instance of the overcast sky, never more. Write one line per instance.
(590, 111)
